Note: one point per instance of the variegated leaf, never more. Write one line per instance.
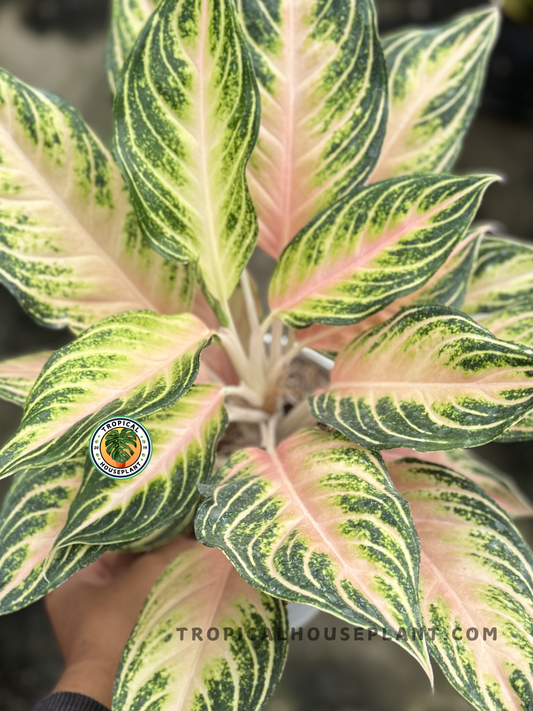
(435, 81)
(476, 587)
(63, 564)
(503, 273)
(128, 17)
(319, 522)
(157, 538)
(447, 287)
(235, 671)
(70, 248)
(501, 488)
(513, 322)
(375, 246)
(323, 86)
(32, 516)
(18, 375)
(128, 365)
(430, 378)
(186, 121)
(184, 438)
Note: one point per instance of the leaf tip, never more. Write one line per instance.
(486, 180)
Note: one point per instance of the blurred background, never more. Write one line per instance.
(59, 45)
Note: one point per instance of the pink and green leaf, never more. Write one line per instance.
(318, 522)
(186, 121)
(430, 379)
(323, 85)
(18, 375)
(476, 586)
(513, 322)
(184, 437)
(447, 287)
(163, 668)
(128, 17)
(32, 516)
(71, 251)
(503, 274)
(132, 364)
(500, 487)
(435, 81)
(377, 245)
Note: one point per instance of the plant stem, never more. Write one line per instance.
(299, 417)
(249, 300)
(268, 434)
(275, 346)
(245, 414)
(246, 393)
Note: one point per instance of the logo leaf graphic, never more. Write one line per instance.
(120, 444)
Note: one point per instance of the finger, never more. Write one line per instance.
(137, 581)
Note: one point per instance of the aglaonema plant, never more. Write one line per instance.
(291, 126)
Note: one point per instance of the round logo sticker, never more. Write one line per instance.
(120, 448)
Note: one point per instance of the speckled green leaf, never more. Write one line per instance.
(447, 287)
(186, 121)
(435, 80)
(323, 85)
(18, 375)
(130, 365)
(184, 438)
(503, 273)
(513, 322)
(373, 247)
(431, 379)
(70, 248)
(237, 671)
(476, 578)
(500, 487)
(32, 515)
(156, 539)
(128, 17)
(319, 522)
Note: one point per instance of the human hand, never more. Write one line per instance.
(93, 615)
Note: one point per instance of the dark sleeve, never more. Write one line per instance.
(69, 701)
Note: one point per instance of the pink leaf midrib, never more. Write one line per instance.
(361, 259)
(307, 517)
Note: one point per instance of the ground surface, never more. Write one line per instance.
(60, 47)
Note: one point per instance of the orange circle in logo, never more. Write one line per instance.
(121, 465)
